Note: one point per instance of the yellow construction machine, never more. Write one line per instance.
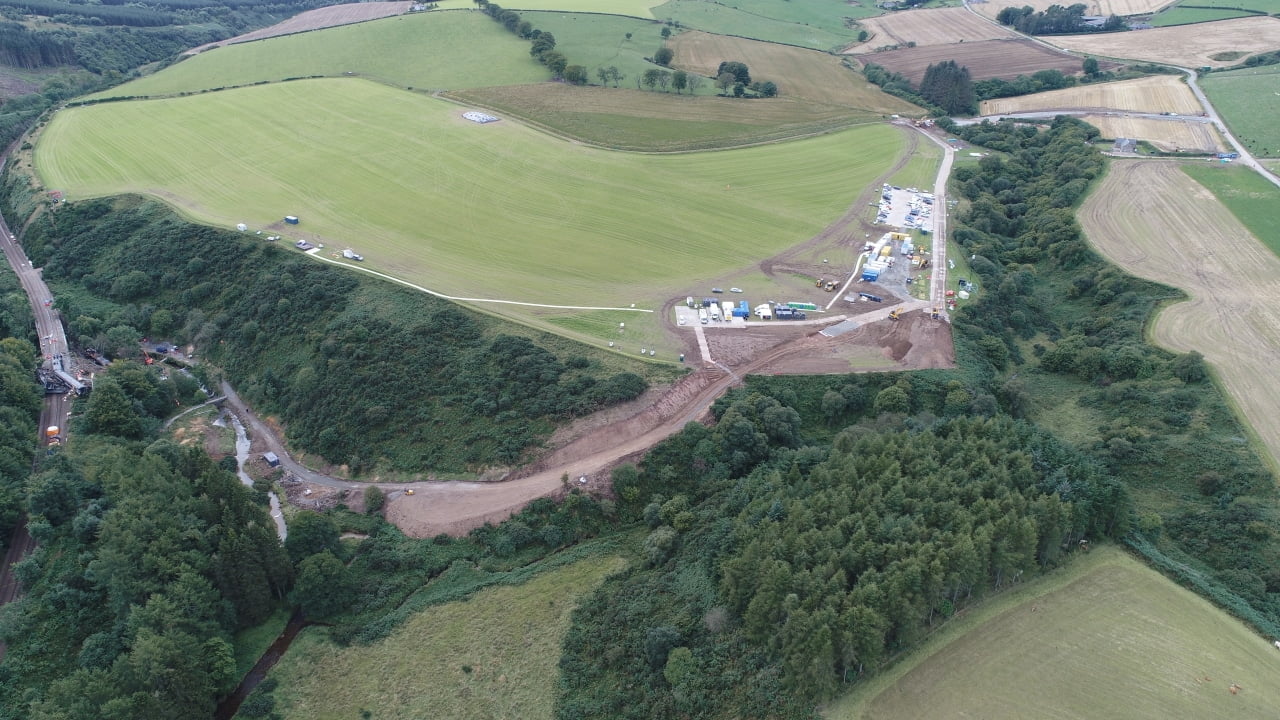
(896, 312)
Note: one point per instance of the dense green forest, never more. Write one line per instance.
(19, 409)
(776, 577)
(365, 374)
(826, 522)
(150, 556)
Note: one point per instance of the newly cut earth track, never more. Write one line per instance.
(1161, 93)
(1190, 46)
(1151, 219)
(1118, 640)
(495, 210)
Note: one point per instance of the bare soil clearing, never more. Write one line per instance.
(324, 17)
(985, 59)
(1168, 135)
(1161, 93)
(928, 27)
(992, 8)
(1183, 45)
(798, 73)
(1175, 231)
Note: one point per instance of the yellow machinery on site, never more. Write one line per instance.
(895, 313)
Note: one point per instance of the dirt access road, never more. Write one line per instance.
(459, 507)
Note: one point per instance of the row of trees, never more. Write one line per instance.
(1055, 20)
(949, 86)
(542, 45)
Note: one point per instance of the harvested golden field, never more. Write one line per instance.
(324, 17)
(798, 73)
(1183, 45)
(991, 8)
(928, 27)
(1154, 221)
(1161, 93)
(985, 59)
(1168, 135)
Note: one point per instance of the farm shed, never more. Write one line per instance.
(1126, 145)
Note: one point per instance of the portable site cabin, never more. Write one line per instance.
(291, 219)
(272, 459)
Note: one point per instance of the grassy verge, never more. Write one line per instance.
(250, 643)
(492, 655)
(1105, 622)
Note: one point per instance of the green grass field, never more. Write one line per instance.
(492, 656)
(1189, 15)
(1248, 196)
(1248, 102)
(595, 41)
(816, 24)
(489, 211)
(1105, 637)
(436, 50)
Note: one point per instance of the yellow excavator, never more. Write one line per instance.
(895, 313)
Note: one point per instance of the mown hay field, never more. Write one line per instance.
(436, 50)
(985, 59)
(790, 23)
(1248, 102)
(798, 73)
(656, 121)
(928, 27)
(317, 19)
(492, 211)
(494, 655)
(1154, 221)
(1105, 637)
(1160, 93)
(1184, 45)
(1167, 135)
